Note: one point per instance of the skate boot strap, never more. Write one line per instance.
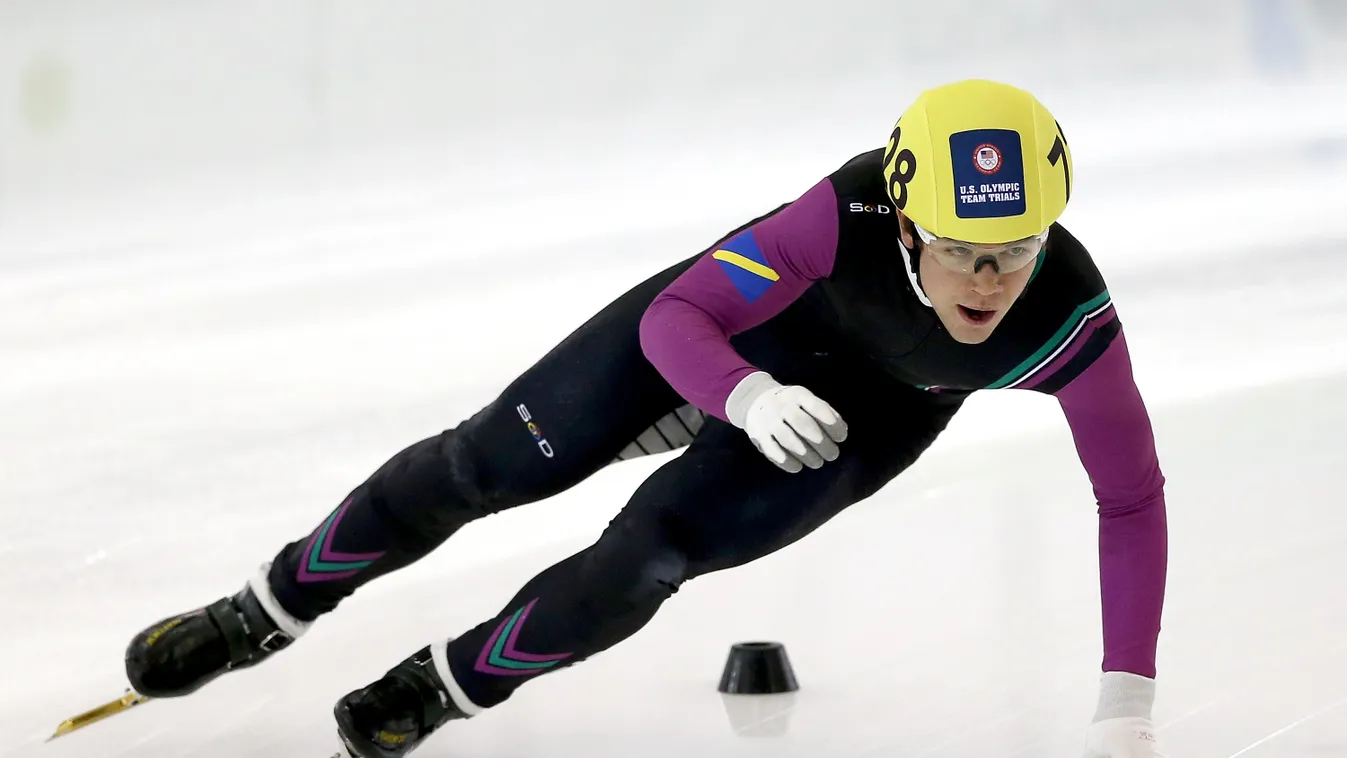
(226, 617)
(229, 618)
(437, 707)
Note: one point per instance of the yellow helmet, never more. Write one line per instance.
(978, 161)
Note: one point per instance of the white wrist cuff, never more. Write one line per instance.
(745, 393)
(1124, 695)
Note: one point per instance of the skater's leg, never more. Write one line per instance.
(564, 418)
(721, 504)
(567, 416)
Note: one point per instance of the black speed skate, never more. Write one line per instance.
(182, 653)
(393, 716)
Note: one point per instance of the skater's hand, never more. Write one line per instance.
(788, 424)
(1122, 725)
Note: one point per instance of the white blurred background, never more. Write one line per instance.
(112, 107)
(250, 249)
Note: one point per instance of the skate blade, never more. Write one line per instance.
(122, 704)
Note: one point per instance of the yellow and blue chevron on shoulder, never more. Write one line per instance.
(743, 262)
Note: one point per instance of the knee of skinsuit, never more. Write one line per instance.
(635, 571)
(431, 487)
(660, 576)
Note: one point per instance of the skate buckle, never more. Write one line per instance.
(275, 641)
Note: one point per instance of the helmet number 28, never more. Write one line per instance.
(903, 170)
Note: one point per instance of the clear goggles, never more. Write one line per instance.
(968, 258)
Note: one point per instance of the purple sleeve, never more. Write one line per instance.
(1116, 445)
(749, 278)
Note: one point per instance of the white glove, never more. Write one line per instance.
(1122, 725)
(790, 425)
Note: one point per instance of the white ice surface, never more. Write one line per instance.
(181, 400)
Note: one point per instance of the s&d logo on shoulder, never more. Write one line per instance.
(879, 208)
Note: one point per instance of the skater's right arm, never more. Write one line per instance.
(745, 281)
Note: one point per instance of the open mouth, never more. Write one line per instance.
(975, 316)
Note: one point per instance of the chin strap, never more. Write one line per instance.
(913, 273)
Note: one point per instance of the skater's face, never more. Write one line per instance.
(971, 303)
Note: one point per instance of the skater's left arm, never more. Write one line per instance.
(1114, 438)
(738, 284)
